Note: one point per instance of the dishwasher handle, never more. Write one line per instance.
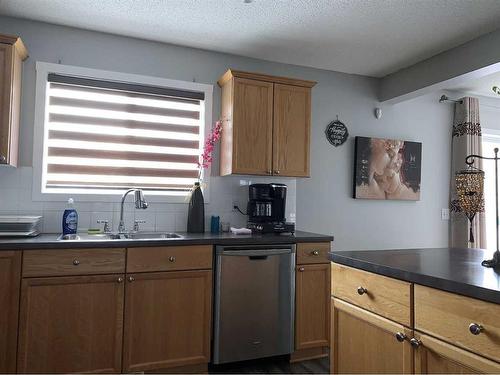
(257, 253)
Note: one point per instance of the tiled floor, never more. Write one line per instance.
(278, 365)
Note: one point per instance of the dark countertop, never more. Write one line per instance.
(49, 241)
(454, 270)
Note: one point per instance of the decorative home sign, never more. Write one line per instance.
(387, 169)
(336, 132)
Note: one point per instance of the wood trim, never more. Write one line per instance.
(451, 352)
(307, 354)
(189, 369)
(17, 43)
(230, 73)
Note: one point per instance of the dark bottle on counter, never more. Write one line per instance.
(196, 211)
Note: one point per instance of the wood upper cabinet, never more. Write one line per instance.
(10, 278)
(363, 342)
(312, 320)
(167, 320)
(71, 324)
(292, 130)
(433, 356)
(12, 54)
(266, 124)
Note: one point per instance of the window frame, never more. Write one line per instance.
(43, 69)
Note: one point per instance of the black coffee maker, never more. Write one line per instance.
(266, 209)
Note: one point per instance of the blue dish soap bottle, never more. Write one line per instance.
(70, 219)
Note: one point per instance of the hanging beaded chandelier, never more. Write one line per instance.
(470, 192)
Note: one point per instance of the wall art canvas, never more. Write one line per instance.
(387, 169)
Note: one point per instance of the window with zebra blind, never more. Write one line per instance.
(106, 132)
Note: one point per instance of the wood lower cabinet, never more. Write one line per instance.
(167, 320)
(71, 324)
(266, 124)
(363, 342)
(10, 271)
(433, 356)
(312, 323)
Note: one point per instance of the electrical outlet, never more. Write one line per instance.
(235, 203)
(445, 214)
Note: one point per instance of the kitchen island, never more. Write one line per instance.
(414, 311)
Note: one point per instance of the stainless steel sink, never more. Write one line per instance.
(151, 236)
(122, 236)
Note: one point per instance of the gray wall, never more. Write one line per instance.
(324, 202)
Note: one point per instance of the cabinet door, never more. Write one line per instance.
(434, 356)
(291, 132)
(312, 306)
(363, 342)
(10, 279)
(6, 69)
(71, 324)
(252, 127)
(167, 320)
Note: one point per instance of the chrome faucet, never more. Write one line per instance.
(140, 203)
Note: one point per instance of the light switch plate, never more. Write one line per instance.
(445, 214)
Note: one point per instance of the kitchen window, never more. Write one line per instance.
(101, 133)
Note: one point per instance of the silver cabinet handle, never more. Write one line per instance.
(131, 278)
(315, 253)
(415, 343)
(120, 279)
(475, 328)
(269, 172)
(301, 269)
(362, 290)
(400, 336)
(76, 262)
(277, 171)
(171, 259)
(3, 159)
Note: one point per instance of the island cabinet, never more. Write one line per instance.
(115, 310)
(266, 124)
(384, 325)
(10, 271)
(12, 54)
(312, 301)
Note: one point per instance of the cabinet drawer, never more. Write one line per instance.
(448, 316)
(382, 295)
(67, 262)
(149, 259)
(308, 253)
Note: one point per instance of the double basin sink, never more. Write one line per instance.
(122, 236)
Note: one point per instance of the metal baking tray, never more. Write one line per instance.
(23, 224)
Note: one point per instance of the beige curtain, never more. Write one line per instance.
(466, 140)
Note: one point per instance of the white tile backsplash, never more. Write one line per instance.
(16, 198)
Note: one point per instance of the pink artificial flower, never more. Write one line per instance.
(206, 157)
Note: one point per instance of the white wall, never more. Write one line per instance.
(323, 203)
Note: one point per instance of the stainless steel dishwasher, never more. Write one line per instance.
(254, 302)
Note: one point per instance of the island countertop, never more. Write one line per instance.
(50, 241)
(455, 270)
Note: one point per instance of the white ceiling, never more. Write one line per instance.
(369, 37)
